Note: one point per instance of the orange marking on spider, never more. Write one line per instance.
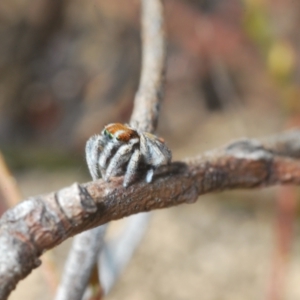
(122, 132)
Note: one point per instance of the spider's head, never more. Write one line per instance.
(120, 132)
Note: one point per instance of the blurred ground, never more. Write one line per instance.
(69, 67)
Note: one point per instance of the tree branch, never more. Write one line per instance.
(287, 144)
(149, 95)
(117, 253)
(42, 222)
(80, 262)
(8, 188)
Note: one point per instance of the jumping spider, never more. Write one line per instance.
(120, 149)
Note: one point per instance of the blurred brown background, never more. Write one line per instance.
(67, 68)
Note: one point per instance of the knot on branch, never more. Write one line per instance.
(248, 149)
(76, 203)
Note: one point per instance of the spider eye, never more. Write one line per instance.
(108, 134)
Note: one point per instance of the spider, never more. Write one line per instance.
(120, 149)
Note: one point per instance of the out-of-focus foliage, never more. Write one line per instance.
(278, 41)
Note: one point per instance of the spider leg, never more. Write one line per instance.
(149, 175)
(104, 157)
(92, 152)
(121, 157)
(155, 152)
(132, 167)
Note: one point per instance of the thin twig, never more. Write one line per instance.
(8, 186)
(149, 95)
(118, 252)
(42, 222)
(81, 260)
